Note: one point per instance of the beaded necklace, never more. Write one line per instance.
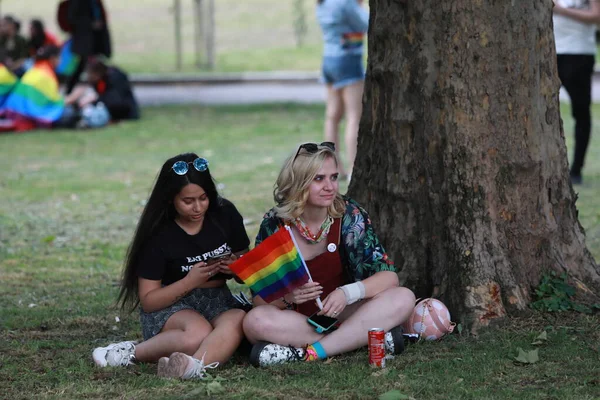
(308, 235)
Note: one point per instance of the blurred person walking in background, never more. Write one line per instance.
(344, 24)
(575, 37)
(87, 23)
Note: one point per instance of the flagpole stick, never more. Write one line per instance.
(319, 302)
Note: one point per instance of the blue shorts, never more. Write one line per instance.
(342, 71)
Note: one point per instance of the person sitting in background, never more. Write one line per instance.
(35, 101)
(13, 47)
(39, 37)
(111, 88)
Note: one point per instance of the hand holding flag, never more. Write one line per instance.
(273, 268)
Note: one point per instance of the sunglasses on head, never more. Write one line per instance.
(312, 148)
(181, 167)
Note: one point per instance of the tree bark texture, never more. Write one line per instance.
(461, 161)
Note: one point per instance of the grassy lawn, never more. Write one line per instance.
(69, 204)
(255, 35)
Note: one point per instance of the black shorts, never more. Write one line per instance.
(210, 303)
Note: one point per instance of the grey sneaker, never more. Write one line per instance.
(180, 365)
(394, 340)
(115, 355)
(265, 354)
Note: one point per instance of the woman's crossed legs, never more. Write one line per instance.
(386, 310)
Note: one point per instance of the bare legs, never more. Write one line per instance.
(188, 332)
(334, 112)
(352, 96)
(386, 310)
(285, 327)
(348, 101)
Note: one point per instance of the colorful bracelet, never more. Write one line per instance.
(288, 305)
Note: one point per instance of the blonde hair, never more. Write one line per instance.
(292, 186)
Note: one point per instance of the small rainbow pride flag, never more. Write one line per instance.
(36, 96)
(68, 60)
(273, 268)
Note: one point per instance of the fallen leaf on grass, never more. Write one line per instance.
(529, 357)
(329, 360)
(214, 387)
(541, 339)
(393, 395)
(382, 371)
(196, 393)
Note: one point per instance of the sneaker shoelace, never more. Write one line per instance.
(198, 369)
(295, 354)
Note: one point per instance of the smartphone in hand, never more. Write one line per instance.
(215, 260)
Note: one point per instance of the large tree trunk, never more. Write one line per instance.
(462, 160)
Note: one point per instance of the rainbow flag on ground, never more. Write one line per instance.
(8, 80)
(36, 96)
(273, 268)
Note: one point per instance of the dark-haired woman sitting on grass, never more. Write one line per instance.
(176, 270)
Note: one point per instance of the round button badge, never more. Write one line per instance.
(331, 247)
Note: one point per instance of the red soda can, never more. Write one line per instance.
(377, 347)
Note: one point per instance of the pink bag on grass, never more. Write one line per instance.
(430, 320)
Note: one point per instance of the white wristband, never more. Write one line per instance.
(353, 291)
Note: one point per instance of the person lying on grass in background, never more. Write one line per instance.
(349, 268)
(176, 270)
(35, 100)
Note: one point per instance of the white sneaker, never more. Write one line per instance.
(115, 355)
(182, 366)
(265, 354)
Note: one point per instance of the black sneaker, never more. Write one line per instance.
(394, 340)
(265, 354)
(576, 179)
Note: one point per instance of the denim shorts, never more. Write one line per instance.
(342, 71)
(209, 302)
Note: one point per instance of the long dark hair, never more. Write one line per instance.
(38, 36)
(158, 211)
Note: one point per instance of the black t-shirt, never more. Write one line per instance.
(171, 252)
